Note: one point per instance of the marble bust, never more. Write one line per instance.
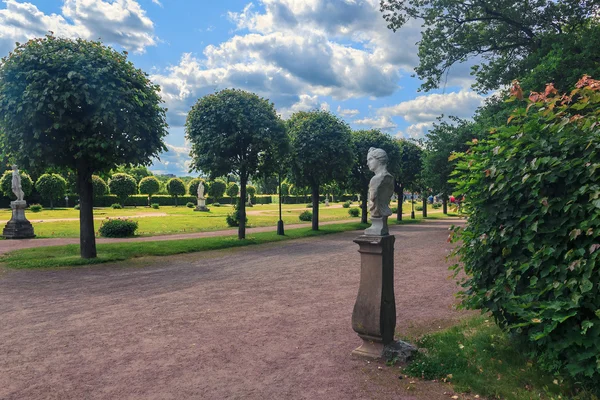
(16, 184)
(381, 188)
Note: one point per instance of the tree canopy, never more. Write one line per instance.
(175, 187)
(51, 187)
(80, 105)
(506, 37)
(234, 131)
(6, 184)
(122, 185)
(149, 185)
(321, 146)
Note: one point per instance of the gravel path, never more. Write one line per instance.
(261, 322)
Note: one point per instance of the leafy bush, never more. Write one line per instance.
(216, 204)
(251, 190)
(436, 205)
(189, 204)
(217, 189)
(347, 204)
(394, 210)
(35, 208)
(419, 207)
(116, 206)
(76, 207)
(100, 188)
(309, 205)
(354, 212)
(233, 219)
(530, 245)
(156, 206)
(149, 185)
(232, 189)
(118, 228)
(122, 185)
(305, 216)
(51, 187)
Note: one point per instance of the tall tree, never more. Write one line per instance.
(78, 104)
(233, 131)
(149, 185)
(122, 185)
(321, 146)
(176, 188)
(360, 175)
(508, 36)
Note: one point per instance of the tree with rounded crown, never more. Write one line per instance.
(176, 188)
(232, 189)
(51, 187)
(122, 185)
(217, 189)
(411, 165)
(100, 188)
(6, 184)
(321, 146)
(234, 131)
(81, 105)
(360, 175)
(149, 185)
(251, 190)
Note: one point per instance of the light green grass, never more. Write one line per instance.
(178, 219)
(476, 356)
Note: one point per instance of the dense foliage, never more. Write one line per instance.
(122, 185)
(217, 189)
(238, 132)
(6, 184)
(232, 189)
(508, 38)
(118, 228)
(530, 249)
(82, 106)
(176, 188)
(149, 185)
(321, 146)
(305, 215)
(100, 188)
(51, 187)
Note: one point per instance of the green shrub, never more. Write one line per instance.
(216, 204)
(394, 210)
(116, 206)
(118, 228)
(100, 188)
(419, 207)
(232, 189)
(436, 205)
(76, 207)
(347, 204)
(530, 247)
(35, 208)
(6, 184)
(305, 216)
(233, 219)
(176, 188)
(354, 212)
(309, 205)
(156, 206)
(51, 187)
(189, 204)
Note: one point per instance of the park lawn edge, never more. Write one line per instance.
(68, 255)
(477, 357)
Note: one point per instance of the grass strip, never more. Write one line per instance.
(477, 356)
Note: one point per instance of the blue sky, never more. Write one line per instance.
(301, 54)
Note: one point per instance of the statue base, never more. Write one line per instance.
(374, 314)
(379, 227)
(201, 205)
(18, 227)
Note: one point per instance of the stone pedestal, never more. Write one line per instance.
(18, 227)
(374, 315)
(201, 205)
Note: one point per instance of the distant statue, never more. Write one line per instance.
(16, 184)
(200, 190)
(381, 188)
(249, 199)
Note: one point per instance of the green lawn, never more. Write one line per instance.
(175, 219)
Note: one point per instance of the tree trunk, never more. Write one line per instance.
(87, 239)
(315, 208)
(175, 201)
(424, 206)
(363, 206)
(242, 209)
(445, 204)
(400, 204)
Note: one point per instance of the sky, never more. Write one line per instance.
(302, 55)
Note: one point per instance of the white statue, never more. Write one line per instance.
(200, 190)
(16, 184)
(249, 199)
(381, 188)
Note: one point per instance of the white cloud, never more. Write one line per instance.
(121, 22)
(175, 160)
(415, 131)
(157, 2)
(347, 112)
(428, 107)
(382, 122)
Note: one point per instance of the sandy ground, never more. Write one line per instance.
(261, 322)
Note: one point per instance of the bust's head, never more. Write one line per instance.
(376, 158)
